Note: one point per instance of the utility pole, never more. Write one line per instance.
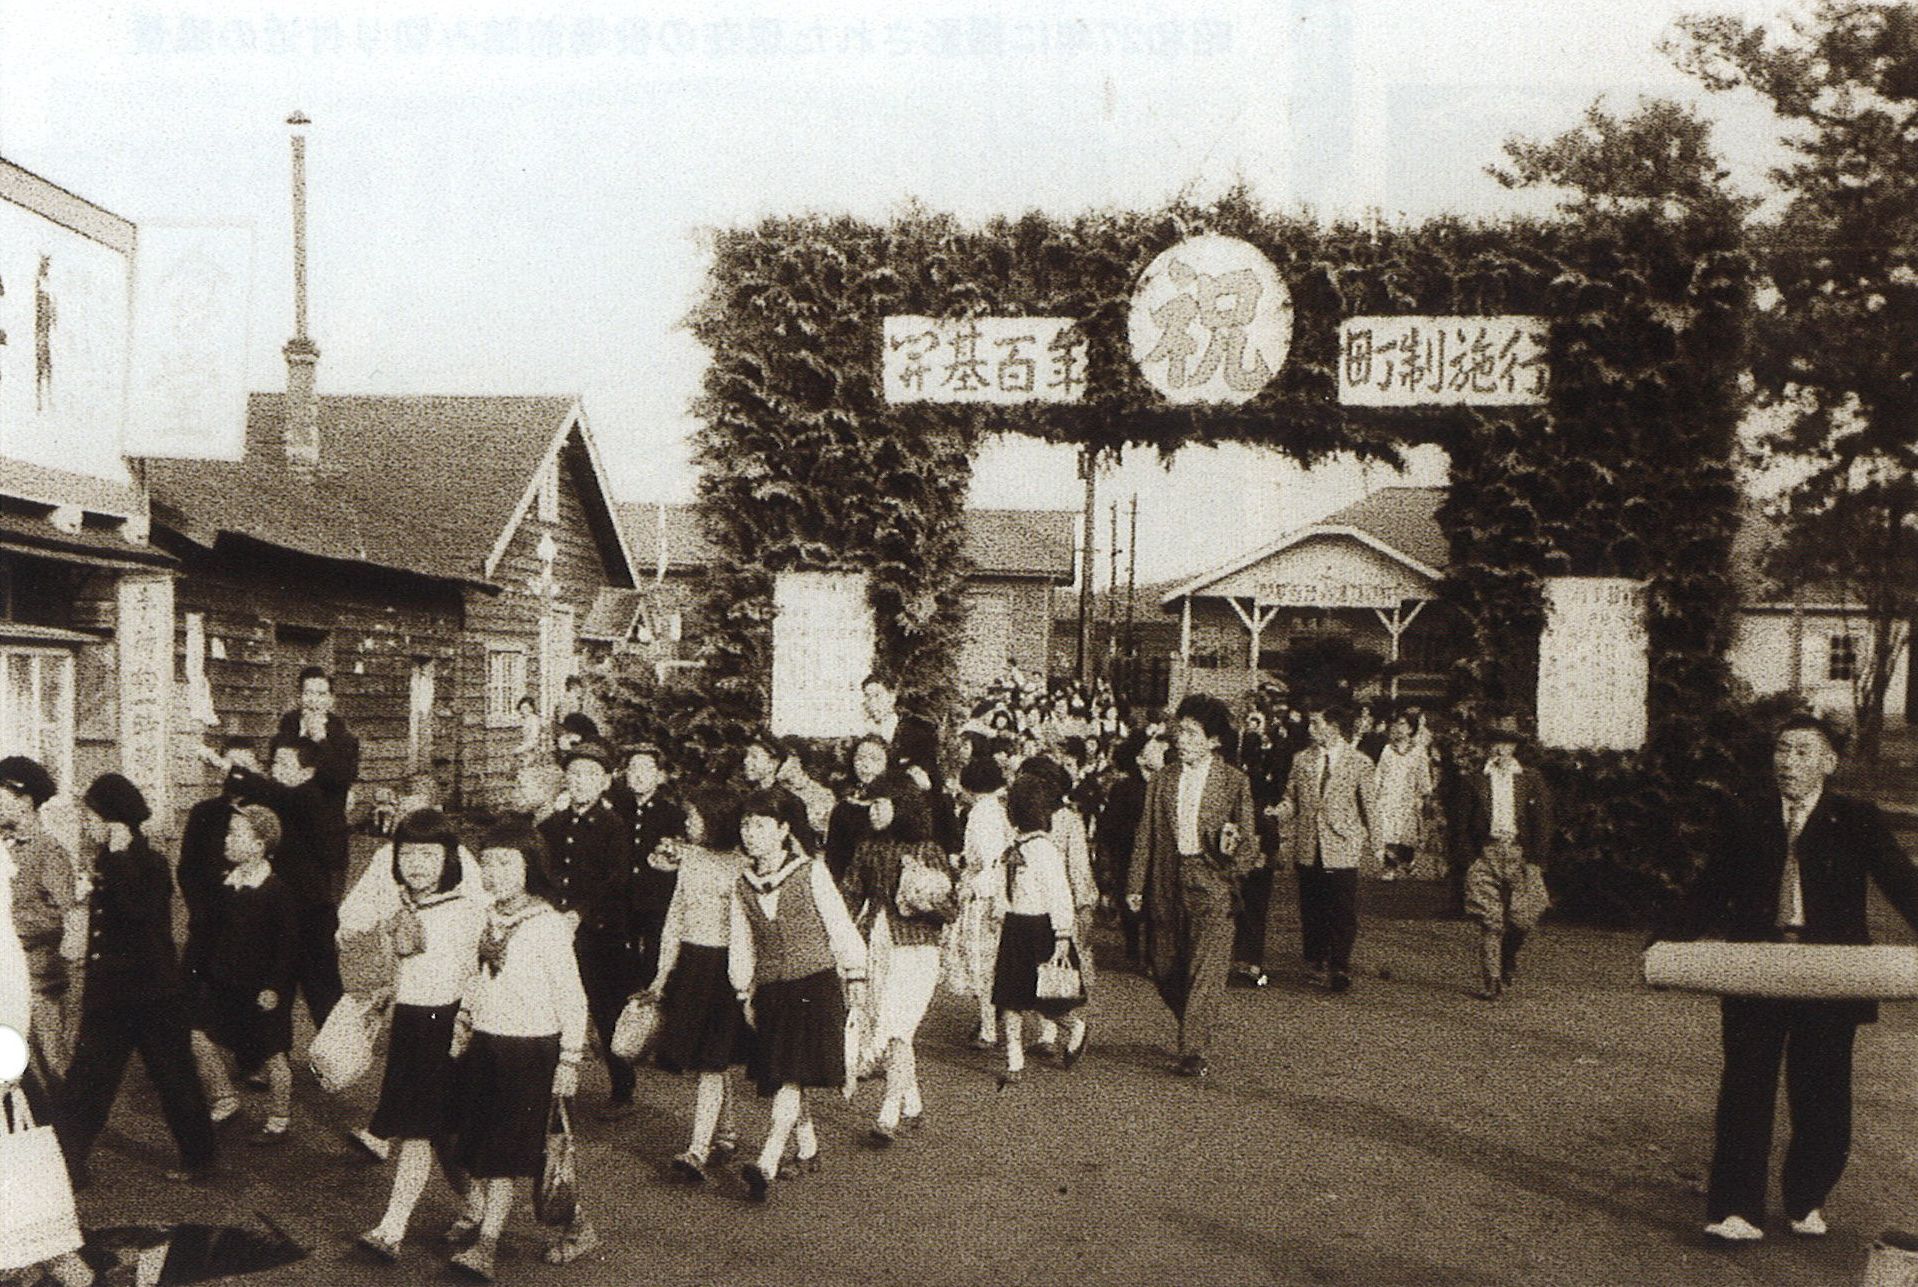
(1112, 588)
(1088, 468)
(1131, 592)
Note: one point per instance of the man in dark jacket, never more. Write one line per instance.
(1508, 837)
(589, 852)
(1790, 865)
(135, 995)
(46, 916)
(336, 766)
(653, 816)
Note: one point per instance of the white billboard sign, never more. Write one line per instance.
(822, 649)
(186, 393)
(1442, 361)
(982, 359)
(1594, 667)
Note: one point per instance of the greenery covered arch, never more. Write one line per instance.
(1626, 471)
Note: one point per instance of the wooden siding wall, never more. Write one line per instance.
(378, 624)
(487, 768)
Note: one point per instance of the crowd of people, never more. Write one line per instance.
(789, 922)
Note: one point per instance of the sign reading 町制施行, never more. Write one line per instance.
(982, 359)
(1442, 361)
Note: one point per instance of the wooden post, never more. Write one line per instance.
(1088, 465)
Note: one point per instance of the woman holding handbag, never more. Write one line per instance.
(1037, 930)
(520, 1035)
(702, 1025)
(900, 881)
(434, 929)
(50, 1246)
(792, 943)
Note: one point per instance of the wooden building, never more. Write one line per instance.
(433, 553)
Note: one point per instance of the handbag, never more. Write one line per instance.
(556, 1196)
(924, 889)
(37, 1217)
(1060, 982)
(637, 1028)
(342, 1050)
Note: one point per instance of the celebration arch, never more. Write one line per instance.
(811, 462)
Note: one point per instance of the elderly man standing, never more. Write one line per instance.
(1195, 845)
(1790, 865)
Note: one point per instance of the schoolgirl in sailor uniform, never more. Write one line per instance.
(792, 942)
(434, 926)
(1038, 926)
(702, 1023)
(523, 1029)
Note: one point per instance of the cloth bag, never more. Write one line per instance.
(342, 1050)
(556, 1196)
(637, 1028)
(37, 1217)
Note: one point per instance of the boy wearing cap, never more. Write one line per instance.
(589, 848)
(654, 816)
(135, 995)
(1508, 832)
(46, 911)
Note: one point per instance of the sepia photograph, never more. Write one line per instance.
(1150, 642)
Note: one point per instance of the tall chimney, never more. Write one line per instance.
(302, 411)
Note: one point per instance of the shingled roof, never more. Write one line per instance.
(424, 484)
(999, 542)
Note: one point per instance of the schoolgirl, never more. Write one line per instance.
(433, 926)
(792, 943)
(1038, 926)
(899, 879)
(988, 836)
(1068, 832)
(244, 1003)
(521, 1032)
(702, 1023)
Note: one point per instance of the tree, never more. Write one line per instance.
(1835, 345)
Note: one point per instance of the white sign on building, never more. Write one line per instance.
(1211, 321)
(186, 393)
(1594, 666)
(982, 359)
(1442, 361)
(822, 649)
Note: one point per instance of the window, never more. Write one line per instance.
(549, 492)
(505, 685)
(1208, 660)
(1842, 661)
(36, 707)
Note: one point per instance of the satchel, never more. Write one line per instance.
(342, 1050)
(637, 1028)
(556, 1196)
(37, 1218)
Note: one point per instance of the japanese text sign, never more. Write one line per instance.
(1594, 667)
(822, 651)
(983, 359)
(1211, 321)
(1442, 361)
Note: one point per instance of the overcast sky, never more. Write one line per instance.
(509, 197)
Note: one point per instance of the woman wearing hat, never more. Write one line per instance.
(1508, 833)
(135, 992)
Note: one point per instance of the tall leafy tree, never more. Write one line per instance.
(1836, 340)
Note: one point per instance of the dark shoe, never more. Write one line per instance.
(793, 1168)
(979, 1042)
(1011, 1077)
(1341, 982)
(267, 1137)
(1488, 992)
(571, 1245)
(1043, 1049)
(758, 1184)
(1074, 1053)
(382, 1247)
(690, 1165)
(462, 1233)
(913, 1121)
(476, 1261)
(1191, 1066)
(882, 1134)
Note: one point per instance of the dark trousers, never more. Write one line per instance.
(1248, 932)
(609, 971)
(1194, 989)
(318, 959)
(109, 1035)
(1814, 1042)
(652, 926)
(1329, 915)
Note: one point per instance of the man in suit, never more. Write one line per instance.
(1330, 802)
(337, 765)
(1195, 845)
(1508, 837)
(1790, 865)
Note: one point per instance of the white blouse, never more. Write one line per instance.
(702, 906)
(438, 976)
(537, 991)
(1040, 886)
(988, 834)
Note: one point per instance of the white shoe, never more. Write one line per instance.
(1737, 1229)
(1812, 1226)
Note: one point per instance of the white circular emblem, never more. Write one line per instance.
(13, 1056)
(1211, 321)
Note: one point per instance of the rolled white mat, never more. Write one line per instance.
(1788, 971)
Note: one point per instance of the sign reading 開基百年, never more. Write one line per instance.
(1211, 321)
(997, 360)
(1442, 361)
